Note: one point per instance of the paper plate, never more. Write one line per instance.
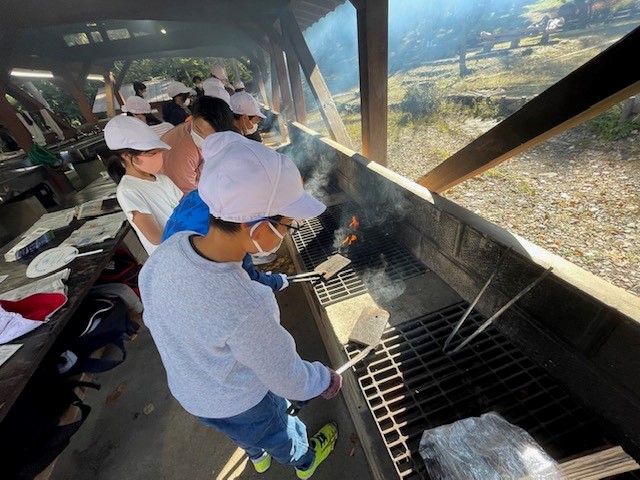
(51, 260)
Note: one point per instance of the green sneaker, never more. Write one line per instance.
(263, 463)
(322, 443)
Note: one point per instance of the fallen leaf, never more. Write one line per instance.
(148, 409)
(112, 398)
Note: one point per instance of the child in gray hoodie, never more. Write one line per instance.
(228, 359)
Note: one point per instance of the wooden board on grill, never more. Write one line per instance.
(332, 266)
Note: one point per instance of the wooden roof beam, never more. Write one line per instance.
(75, 87)
(315, 80)
(596, 86)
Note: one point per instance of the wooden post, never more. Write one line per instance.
(569, 102)
(121, 74)
(283, 81)
(77, 92)
(109, 94)
(275, 88)
(81, 81)
(264, 74)
(10, 120)
(116, 86)
(275, 96)
(315, 80)
(258, 80)
(373, 55)
(296, 82)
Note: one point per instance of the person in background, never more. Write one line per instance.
(238, 86)
(197, 85)
(214, 86)
(183, 163)
(192, 215)
(145, 196)
(247, 115)
(229, 361)
(229, 88)
(174, 111)
(140, 89)
(141, 109)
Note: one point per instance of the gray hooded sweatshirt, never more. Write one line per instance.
(219, 334)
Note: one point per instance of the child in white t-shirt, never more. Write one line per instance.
(146, 197)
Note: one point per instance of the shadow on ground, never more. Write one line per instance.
(119, 441)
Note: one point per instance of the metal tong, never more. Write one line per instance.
(489, 321)
(296, 405)
(305, 277)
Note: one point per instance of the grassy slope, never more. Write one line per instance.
(578, 195)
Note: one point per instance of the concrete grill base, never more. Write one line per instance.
(577, 327)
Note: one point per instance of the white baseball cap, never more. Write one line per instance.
(136, 104)
(219, 72)
(214, 88)
(129, 132)
(242, 103)
(238, 84)
(243, 181)
(176, 88)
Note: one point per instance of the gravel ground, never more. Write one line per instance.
(575, 195)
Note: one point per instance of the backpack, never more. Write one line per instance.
(30, 435)
(122, 268)
(98, 322)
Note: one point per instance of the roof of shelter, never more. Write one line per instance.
(102, 31)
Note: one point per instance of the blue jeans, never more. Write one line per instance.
(267, 428)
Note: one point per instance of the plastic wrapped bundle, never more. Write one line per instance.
(485, 448)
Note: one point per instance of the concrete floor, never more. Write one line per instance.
(119, 441)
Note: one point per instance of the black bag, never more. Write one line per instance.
(122, 268)
(30, 436)
(98, 322)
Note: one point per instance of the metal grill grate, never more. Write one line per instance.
(410, 386)
(377, 252)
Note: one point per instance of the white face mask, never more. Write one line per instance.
(261, 252)
(197, 139)
(253, 129)
(187, 102)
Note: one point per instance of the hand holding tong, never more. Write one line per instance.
(305, 277)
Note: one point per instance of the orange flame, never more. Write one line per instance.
(355, 224)
(350, 240)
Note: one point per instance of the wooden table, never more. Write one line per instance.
(17, 371)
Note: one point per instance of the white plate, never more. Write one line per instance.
(51, 260)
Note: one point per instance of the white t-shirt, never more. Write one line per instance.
(157, 198)
(161, 128)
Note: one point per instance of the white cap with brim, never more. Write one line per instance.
(245, 181)
(137, 105)
(214, 88)
(129, 132)
(238, 84)
(176, 88)
(219, 72)
(242, 103)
